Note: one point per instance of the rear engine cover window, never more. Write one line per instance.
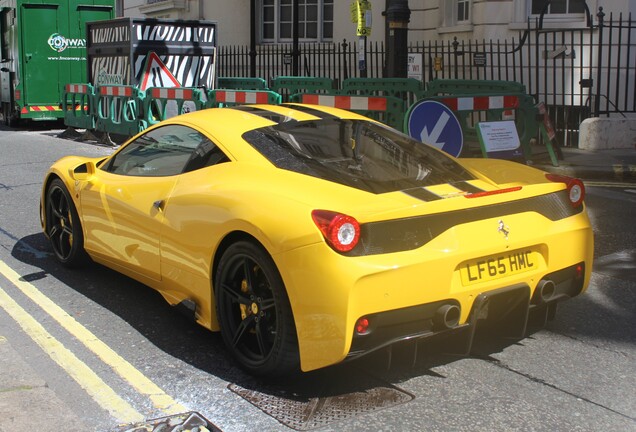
(355, 153)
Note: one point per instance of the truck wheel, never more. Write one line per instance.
(11, 117)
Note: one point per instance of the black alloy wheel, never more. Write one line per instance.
(254, 313)
(63, 226)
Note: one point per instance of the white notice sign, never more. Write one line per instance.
(499, 136)
(415, 68)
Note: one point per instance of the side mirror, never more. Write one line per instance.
(82, 172)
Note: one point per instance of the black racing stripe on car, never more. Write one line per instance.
(412, 233)
(311, 111)
(261, 112)
(467, 187)
(422, 194)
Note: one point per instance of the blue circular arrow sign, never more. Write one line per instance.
(434, 123)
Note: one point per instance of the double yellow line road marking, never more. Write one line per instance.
(104, 395)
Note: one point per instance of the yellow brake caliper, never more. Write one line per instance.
(243, 307)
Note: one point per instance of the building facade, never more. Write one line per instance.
(330, 20)
(561, 50)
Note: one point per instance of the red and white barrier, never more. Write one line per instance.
(77, 88)
(241, 97)
(361, 103)
(171, 93)
(481, 103)
(116, 91)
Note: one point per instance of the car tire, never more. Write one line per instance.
(257, 324)
(63, 226)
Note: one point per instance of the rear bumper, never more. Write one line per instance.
(329, 292)
(507, 310)
(41, 112)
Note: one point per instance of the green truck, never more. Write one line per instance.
(43, 48)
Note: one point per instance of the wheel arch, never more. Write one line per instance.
(73, 254)
(281, 356)
(45, 187)
(50, 177)
(229, 239)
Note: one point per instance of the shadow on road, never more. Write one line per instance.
(147, 312)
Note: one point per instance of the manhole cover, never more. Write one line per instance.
(302, 411)
(190, 421)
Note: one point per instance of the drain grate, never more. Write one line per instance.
(191, 422)
(303, 412)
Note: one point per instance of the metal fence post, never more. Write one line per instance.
(253, 38)
(295, 36)
(597, 100)
(455, 46)
(345, 74)
(538, 60)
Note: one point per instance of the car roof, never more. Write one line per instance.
(243, 118)
(227, 125)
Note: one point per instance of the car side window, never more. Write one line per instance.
(206, 154)
(166, 151)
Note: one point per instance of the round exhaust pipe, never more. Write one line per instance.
(545, 290)
(446, 317)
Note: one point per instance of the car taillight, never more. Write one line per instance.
(576, 189)
(341, 231)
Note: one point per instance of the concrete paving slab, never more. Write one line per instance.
(26, 402)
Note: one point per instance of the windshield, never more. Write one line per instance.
(360, 154)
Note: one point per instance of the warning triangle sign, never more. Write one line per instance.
(156, 74)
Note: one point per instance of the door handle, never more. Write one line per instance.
(159, 204)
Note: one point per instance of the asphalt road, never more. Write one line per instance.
(108, 352)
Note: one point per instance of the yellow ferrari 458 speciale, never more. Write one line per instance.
(309, 235)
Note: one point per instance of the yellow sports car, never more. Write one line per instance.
(309, 235)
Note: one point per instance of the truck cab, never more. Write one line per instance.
(43, 48)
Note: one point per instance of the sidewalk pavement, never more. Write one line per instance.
(28, 404)
(613, 165)
(26, 401)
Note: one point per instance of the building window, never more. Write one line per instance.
(463, 11)
(559, 7)
(315, 20)
(455, 13)
(557, 12)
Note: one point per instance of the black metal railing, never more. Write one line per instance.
(577, 72)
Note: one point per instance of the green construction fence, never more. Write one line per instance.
(79, 106)
(440, 87)
(225, 98)
(242, 83)
(119, 110)
(287, 86)
(387, 109)
(126, 110)
(471, 109)
(161, 103)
